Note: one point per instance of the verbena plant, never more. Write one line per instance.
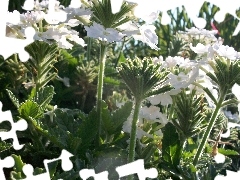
(112, 103)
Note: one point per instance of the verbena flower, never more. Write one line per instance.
(99, 32)
(227, 52)
(153, 114)
(148, 36)
(163, 99)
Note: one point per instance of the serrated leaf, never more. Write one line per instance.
(88, 130)
(44, 96)
(66, 121)
(120, 115)
(113, 122)
(171, 148)
(13, 98)
(227, 152)
(30, 109)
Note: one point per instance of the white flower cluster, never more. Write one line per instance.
(51, 25)
(144, 32)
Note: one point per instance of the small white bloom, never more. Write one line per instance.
(164, 99)
(65, 80)
(98, 31)
(31, 18)
(153, 114)
(227, 52)
(178, 81)
(51, 113)
(129, 28)
(148, 36)
(127, 126)
(229, 126)
(28, 85)
(171, 62)
(219, 158)
(200, 48)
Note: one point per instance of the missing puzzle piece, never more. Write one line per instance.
(66, 164)
(8, 162)
(20, 125)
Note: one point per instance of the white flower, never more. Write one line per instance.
(55, 17)
(164, 99)
(129, 28)
(219, 158)
(227, 52)
(229, 126)
(127, 126)
(148, 35)
(98, 31)
(200, 48)
(51, 113)
(178, 81)
(183, 80)
(171, 62)
(60, 35)
(28, 85)
(65, 81)
(31, 18)
(153, 113)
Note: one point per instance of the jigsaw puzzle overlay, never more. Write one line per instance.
(6, 50)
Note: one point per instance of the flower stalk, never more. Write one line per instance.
(102, 61)
(208, 130)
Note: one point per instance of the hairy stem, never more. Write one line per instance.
(102, 60)
(208, 130)
(132, 145)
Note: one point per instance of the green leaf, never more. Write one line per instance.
(88, 130)
(113, 122)
(17, 173)
(148, 152)
(13, 98)
(171, 147)
(110, 80)
(120, 116)
(44, 96)
(30, 109)
(227, 152)
(66, 121)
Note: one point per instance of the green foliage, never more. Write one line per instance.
(40, 65)
(17, 173)
(143, 78)
(189, 114)
(171, 147)
(102, 13)
(30, 109)
(113, 122)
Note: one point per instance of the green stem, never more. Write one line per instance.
(132, 145)
(208, 130)
(89, 46)
(102, 60)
